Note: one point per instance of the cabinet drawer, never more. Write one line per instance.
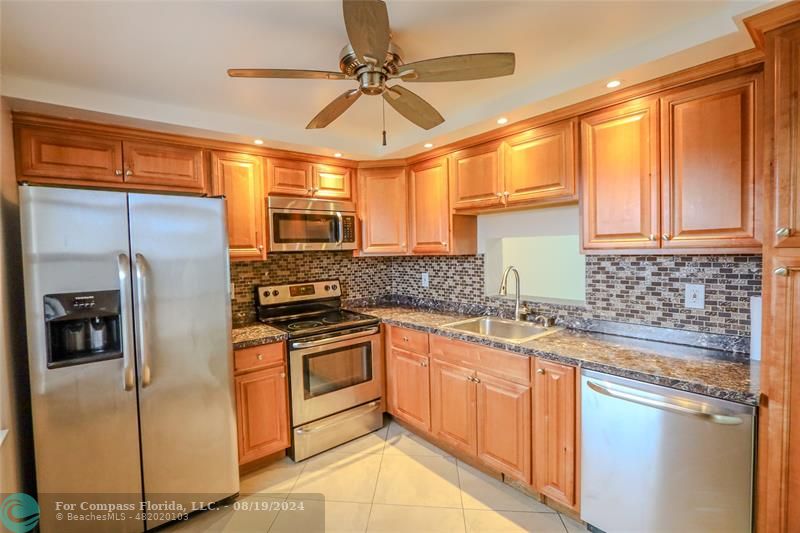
(258, 356)
(499, 363)
(409, 340)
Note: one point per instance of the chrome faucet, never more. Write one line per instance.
(519, 311)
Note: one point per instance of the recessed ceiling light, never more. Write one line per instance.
(613, 84)
(428, 145)
(258, 141)
(337, 154)
(502, 120)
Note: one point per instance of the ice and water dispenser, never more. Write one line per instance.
(82, 327)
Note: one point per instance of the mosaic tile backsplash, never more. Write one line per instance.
(635, 289)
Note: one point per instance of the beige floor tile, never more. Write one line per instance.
(323, 517)
(370, 443)
(573, 526)
(479, 491)
(403, 519)
(254, 514)
(279, 477)
(420, 480)
(512, 521)
(338, 477)
(400, 441)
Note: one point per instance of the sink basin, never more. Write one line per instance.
(510, 330)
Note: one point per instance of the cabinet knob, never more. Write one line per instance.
(781, 271)
(666, 237)
(260, 247)
(423, 363)
(444, 243)
(476, 380)
(499, 194)
(652, 237)
(260, 357)
(118, 172)
(405, 339)
(540, 370)
(129, 172)
(783, 232)
(283, 374)
(506, 194)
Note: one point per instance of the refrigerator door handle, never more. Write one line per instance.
(141, 293)
(124, 269)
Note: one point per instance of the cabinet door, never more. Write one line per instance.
(540, 164)
(708, 192)
(289, 177)
(164, 166)
(453, 405)
(239, 178)
(383, 210)
(477, 175)
(262, 412)
(409, 382)
(332, 182)
(783, 61)
(67, 157)
(504, 426)
(430, 208)
(554, 421)
(619, 177)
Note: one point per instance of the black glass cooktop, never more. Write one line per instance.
(313, 324)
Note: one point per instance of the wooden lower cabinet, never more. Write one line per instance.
(504, 426)
(409, 387)
(554, 431)
(262, 411)
(454, 405)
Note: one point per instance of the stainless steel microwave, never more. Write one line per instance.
(298, 224)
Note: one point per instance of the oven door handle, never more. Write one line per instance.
(341, 228)
(313, 429)
(331, 340)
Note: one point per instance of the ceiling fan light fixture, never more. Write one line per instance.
(613, 84)
(502, 120)
(428, 145)
(258, 141)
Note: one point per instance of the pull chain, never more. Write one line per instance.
(383, 112)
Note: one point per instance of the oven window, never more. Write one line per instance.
(338, 369)
(304, 227)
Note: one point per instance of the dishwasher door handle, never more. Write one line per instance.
(613, 392)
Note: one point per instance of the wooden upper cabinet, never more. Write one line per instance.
(164, 166)
(540, 164)
(504, 426)
(454, 405)
(554, 430)
(783, 60)
(709, 191)
(262, 411)
(240, 178)
(331, 182)
(383, 210)
(289, 177)
(67, 157)
(619, 176)
(429, 207)
(409, 387)
(477, 175)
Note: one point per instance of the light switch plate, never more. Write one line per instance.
(426, 280)
(695, 296)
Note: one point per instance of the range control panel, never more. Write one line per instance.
(298, 292)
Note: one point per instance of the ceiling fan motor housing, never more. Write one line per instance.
(371, 78)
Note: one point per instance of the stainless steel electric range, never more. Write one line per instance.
(334, 364)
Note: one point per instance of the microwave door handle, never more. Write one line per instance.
(341, 228)
(126, 317)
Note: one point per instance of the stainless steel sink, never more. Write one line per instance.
(510, 330)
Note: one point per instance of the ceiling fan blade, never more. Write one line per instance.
(459, 68)
(367, 24)
(333, 110)
(412, 107)
(285, 73)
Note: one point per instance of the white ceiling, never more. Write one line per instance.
(165, 61)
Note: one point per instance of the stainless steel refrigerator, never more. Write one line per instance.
(128, 318)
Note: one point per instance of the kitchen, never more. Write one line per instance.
(578, 311)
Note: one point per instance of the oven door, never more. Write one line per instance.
(292, 230)
(329, 375)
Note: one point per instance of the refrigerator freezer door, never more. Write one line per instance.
(181, 294)
(84, 420)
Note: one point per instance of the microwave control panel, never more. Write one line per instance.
(348, 229)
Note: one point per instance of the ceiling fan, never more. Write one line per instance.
(373, 60)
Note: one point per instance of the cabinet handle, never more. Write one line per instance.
(423, 363)
(783, 232)
(118, 172)
(783, 271)
(652, 237)
(260, 357)
(666, 237)
(129, 172)
(540, 370)
(476, 380)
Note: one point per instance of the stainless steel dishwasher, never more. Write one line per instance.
(654, 459)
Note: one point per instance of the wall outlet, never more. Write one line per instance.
(695, 296)
(426, 280)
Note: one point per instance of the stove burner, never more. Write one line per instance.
(336, 319)
(304, 324)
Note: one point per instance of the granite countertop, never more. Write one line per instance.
(255, 334)
(716, 373)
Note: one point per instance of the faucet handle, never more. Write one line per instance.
(545, 321)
